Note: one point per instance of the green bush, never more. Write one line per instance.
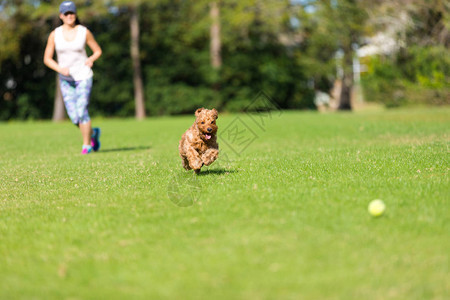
(383, 84)
(417, 75)
(428, 66)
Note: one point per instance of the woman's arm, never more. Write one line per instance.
(96, 50)
(48, 56)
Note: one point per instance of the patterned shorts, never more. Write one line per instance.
(76, 99)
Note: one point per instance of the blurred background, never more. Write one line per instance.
(174, 56)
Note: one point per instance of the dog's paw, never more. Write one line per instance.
(196, 164)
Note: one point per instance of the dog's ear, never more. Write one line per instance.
(197, 112)
(216, 114)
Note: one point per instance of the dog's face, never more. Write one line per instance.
(206, 122)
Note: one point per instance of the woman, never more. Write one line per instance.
(74, 68)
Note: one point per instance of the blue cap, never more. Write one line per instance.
(67, 6)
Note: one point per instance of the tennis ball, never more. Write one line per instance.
(376, 207)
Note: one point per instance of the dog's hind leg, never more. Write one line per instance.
(185, 163)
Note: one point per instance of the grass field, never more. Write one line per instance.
(281, 215)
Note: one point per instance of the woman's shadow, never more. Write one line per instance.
(126, 149)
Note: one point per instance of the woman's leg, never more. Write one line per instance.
(68, 91)
(83, 91)
(86, 132)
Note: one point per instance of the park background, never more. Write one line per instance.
(169, 57)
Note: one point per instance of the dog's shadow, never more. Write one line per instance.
(216, 172)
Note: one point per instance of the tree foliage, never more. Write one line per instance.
(285, 48)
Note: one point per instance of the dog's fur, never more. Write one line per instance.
(198, 145)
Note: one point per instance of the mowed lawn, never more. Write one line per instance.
(282, 214)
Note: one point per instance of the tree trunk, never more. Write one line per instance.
(215, 46)
(58, 106)
(135, 57)
(347, 81)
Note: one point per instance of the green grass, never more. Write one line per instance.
(284, 217)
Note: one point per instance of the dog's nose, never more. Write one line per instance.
(209, 129)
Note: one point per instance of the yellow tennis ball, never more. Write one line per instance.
(376, 207)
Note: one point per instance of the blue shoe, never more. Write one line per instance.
(95, 139)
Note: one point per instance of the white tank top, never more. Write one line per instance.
(72, 54)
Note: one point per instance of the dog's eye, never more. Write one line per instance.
(203, 122)
(213, 122)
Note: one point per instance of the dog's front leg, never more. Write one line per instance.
(210, 156)
(195, 161)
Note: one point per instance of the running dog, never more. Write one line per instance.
(198, 146)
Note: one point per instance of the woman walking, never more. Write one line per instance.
(74, 68)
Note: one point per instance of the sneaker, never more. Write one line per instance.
(95, 139)
(86, 149)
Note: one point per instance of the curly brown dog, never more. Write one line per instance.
(198, 145)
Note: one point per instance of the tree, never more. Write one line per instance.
(59, 111)
(216, 57)
(133, 8)
(415, 70)
(21, 61)
(417, 22)
(345, 20)
(136, 59)
(330, 27)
